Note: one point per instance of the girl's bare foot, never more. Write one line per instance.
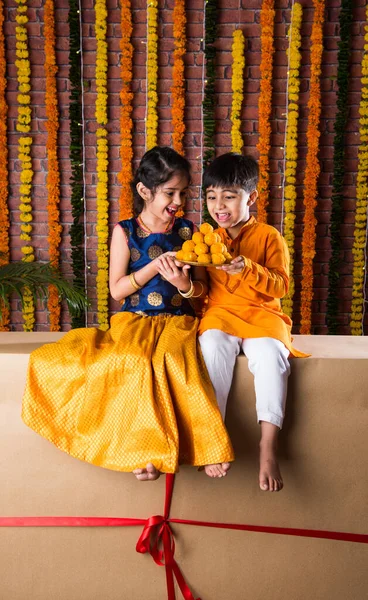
(218, 470)
(150, 473)
(269, 472)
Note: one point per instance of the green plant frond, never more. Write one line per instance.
(37, 277)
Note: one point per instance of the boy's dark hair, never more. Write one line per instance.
(232, 170)
(157, 166)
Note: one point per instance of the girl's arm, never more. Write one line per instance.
(119, 282)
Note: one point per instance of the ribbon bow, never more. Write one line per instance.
(157, 534)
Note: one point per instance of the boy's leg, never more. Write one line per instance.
(219, 351)
(268, 361)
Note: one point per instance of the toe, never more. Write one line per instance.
(263, 483)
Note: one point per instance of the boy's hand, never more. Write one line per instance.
(168, 269)
(236, 266)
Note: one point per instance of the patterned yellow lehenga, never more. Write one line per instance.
(136, 393)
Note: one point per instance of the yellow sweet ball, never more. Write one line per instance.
(218, 259)
(190, 256)
(211, 238)
(206, 228)
(180, 255)
(228, 256)
(188, 246)
(198, 237)
(218, 248)
(204, 259)
(201, 249)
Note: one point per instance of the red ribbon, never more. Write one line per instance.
(157, 538)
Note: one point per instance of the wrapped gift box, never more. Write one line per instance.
(323, 455)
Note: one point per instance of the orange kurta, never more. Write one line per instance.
(248, 305)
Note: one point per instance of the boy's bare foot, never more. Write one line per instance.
(269, 472)
(218, 470)
(150, 473)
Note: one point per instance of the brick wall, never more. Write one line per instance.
(229, 16)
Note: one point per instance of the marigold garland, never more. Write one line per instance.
(265, 105)
(24, 151)
(126, 122)
(178, 87)
(312, 168)
(53, 172)
(152, 69)
(76, 156)
(291, 147)
(337, 210)
(360, 230)
(102, 227)
(237, 84)
(4, 175)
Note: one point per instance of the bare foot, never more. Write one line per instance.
(150, 473)
(269, 472)
(219, 470)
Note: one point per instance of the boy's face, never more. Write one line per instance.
(229, 207)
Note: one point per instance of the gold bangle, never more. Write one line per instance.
(189, 293)
(133, 282)
(202, 289)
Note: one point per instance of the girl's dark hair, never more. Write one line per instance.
(232, 170)
(157, 166)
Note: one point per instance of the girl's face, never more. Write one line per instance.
(168, 198)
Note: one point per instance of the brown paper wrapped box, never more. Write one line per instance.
(323, 451)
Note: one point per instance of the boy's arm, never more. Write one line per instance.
(272, 279)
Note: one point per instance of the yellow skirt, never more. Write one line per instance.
(134, 394)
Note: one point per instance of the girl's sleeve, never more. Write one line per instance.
(272, 279)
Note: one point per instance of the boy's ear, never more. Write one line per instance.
(144, 192)
(252, 197)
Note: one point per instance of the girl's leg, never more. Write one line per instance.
(219, 351)
(268, 362)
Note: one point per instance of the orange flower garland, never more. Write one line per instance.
(4, 211)
(312, 168)
(264, 105)
(126, 122)
(53, 172)
(178, 87)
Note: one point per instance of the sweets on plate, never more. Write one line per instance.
(205, 248)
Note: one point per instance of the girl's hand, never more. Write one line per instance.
(236, 266)
(171, 272)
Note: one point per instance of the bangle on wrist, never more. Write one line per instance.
(133, 282)
(201, 292)
(189, 293)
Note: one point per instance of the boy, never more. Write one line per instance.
(243, 310)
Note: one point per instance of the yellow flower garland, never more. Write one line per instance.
(360, 230)
(237, 88)
(24, 150)
(312, 168)
(53, 172)
(126, 122)
(265, 105)
(291, 149)
(152, 69)
(102, 227)
(4, 175)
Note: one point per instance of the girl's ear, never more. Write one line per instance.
(252, 197)
(144, 192)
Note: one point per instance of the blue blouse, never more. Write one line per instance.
(158, 295)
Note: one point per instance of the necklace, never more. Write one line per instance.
(141, 222)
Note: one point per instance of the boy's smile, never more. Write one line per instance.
(229, 207)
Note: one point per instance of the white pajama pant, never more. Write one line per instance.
(267, 361)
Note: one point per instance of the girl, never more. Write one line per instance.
(137, 397)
